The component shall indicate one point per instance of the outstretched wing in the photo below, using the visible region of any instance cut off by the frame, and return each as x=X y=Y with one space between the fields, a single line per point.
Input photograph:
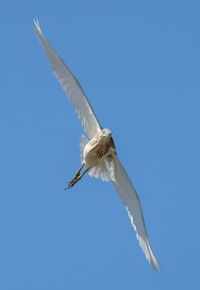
x=71 y=86
x=130 y=199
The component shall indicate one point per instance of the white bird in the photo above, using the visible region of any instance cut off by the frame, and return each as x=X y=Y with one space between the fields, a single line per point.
x=100 y=149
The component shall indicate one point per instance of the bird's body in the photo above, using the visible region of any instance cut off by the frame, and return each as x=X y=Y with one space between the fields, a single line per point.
x=98 y=155
x=98 y=148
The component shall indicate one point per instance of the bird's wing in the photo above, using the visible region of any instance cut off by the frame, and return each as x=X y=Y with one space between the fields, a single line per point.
x=130 y=199
x=71 y=86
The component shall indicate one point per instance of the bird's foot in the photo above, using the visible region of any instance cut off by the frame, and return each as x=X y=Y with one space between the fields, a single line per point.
x=75 y=178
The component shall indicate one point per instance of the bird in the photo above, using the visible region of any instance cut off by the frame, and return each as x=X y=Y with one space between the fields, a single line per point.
x=98 y=153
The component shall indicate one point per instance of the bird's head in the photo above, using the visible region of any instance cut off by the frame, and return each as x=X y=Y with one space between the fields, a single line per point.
x=106 y=133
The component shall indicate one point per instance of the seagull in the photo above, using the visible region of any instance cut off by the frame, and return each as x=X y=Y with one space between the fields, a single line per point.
x=98 y=154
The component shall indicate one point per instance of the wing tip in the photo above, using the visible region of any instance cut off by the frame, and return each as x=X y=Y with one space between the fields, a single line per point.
x=152 y=259
x=154 y=264
x=36 y=26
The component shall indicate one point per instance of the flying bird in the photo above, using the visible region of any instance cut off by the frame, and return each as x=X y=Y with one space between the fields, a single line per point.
x=98 y=154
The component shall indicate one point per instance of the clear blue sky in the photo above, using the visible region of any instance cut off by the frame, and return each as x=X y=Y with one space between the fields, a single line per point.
x=139 y=64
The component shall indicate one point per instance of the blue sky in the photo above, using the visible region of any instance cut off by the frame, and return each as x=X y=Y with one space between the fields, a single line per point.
x=139 y=64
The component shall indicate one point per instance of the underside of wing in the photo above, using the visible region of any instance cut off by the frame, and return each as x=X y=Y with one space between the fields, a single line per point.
x=130 y=199
x=71 y=86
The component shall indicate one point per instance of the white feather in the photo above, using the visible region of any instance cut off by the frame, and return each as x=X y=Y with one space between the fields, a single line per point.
x=130 y=199
x=82 y=144
x=71 y=86
x=100 y=171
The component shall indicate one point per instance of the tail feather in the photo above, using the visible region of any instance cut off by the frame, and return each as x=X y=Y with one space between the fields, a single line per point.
x=100 y=171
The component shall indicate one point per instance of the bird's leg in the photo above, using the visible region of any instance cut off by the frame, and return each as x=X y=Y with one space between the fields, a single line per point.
x=77 y=174
x=76 y=179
